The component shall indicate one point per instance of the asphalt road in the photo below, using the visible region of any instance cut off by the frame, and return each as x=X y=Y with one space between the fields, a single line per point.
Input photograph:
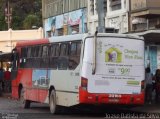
x=11 y=109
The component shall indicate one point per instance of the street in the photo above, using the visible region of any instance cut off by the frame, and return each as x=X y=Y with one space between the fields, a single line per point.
x=11 y=109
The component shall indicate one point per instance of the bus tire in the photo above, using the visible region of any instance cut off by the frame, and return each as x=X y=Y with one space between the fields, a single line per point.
x=52 y=102
x=25 y=103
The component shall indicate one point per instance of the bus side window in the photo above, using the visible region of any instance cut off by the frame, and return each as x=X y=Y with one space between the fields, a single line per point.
x=23 y=57
x=45 y=59
x=37 y=57
x=54 y=49
x=57 y=50
x=15 y=58
x=40 y=52
x=34 y=56
x=74 y=57
x=79 y=49
x=63 y=58
x=45 y=51
x=29 y=58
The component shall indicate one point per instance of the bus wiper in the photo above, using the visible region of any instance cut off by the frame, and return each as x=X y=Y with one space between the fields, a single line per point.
x=94 y=53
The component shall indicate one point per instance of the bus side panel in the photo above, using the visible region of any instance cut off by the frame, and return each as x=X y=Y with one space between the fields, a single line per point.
x=15 y=92
x=37 y=95
x=15 y=84
x=32 y=92
x=43 y=96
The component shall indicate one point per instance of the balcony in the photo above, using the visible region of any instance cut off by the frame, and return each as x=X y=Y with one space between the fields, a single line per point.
x=145 y=8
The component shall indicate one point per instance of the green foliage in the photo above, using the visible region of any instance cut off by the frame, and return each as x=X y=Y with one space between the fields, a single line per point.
x=23 y=12
x=3 y=25
x=30 y=20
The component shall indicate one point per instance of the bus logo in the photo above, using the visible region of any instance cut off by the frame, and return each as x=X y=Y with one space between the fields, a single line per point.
x=113 y=55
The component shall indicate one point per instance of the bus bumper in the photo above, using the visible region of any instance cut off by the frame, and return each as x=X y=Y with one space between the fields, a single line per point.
x=124 y=99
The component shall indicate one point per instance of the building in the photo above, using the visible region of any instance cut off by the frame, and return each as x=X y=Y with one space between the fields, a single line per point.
x=9 y=38
x=145 y=15
x=116 y=12
x=145 y=21
x=141 y=17
x=63 y=17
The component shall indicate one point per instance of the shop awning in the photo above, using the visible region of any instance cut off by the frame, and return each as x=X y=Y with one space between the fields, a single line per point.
x=150 y=36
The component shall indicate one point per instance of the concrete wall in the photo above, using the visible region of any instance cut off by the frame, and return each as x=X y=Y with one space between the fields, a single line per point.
x=153 y=3
x=138 y=4
x=9 y=38
x=117 y=18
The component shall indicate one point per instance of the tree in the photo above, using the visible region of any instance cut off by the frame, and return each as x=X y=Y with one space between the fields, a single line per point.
x=30 y=21
x=3 y=25
x=22 y=11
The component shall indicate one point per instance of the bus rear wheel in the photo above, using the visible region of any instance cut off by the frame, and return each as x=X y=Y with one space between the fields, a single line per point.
x=52 y=103
x=25 y=103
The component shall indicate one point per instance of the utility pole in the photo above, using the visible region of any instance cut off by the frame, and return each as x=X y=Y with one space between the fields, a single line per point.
x=129 y=16
x=101 y=7
x=8 y=14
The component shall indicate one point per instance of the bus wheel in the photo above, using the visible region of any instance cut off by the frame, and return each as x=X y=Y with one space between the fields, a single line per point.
x=25 y=103
x=52 y=102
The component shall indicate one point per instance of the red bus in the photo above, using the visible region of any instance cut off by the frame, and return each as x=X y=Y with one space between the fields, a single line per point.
x=79 y=69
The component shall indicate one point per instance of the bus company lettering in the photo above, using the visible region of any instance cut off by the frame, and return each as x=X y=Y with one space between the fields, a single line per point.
x=132 y=54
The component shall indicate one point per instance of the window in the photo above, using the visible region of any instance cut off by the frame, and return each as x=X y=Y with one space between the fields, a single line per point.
x=60 y=32
x=64 y=55
x=40 y=51
x=56 y=7
x=64 y=50
x=53 y=50
x=78 y=48
x=24 y=52
x=36 y=60
x=45 y=51
x=63 y=58
x=75 y=29
x=54 y=54
x=57 y=50
x=23 y=57
x=74 y=56
x=28 y=52
x=73 y=49
x=44 y=59
x=36 y=51
x=115 y=5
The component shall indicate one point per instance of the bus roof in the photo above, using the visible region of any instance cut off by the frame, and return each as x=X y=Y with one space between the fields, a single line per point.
x=82 y=36
x=73 y=38
x=67 y=38
x=130 y=36
x=32 y=42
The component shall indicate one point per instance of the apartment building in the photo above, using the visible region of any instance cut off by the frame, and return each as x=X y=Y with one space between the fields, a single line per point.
x=145 y=21
x=145 y=15
x=116 y=15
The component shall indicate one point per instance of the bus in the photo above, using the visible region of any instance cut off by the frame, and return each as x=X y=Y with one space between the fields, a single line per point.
x=79 y=69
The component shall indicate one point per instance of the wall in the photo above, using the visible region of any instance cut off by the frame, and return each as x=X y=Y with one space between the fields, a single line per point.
x=138 y=4
x=114 y=18
x=9 y=38
x=66 y=24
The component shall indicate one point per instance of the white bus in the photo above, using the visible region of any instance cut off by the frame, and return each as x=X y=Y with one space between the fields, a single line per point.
x=80 y=69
